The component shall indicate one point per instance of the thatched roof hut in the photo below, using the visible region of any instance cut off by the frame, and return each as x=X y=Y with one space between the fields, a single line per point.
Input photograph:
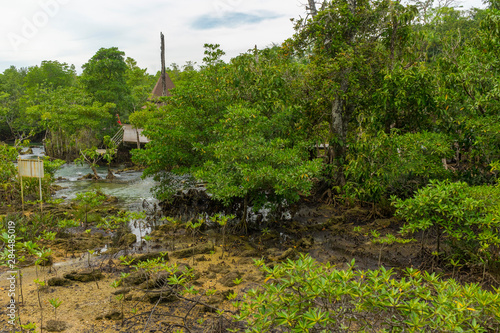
x=158 y=89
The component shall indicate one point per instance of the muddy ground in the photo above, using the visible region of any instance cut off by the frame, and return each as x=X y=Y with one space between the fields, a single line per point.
x=91 y=304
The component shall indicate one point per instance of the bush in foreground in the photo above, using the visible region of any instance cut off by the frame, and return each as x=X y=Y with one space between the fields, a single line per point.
x=305 y=296
x=466 y=217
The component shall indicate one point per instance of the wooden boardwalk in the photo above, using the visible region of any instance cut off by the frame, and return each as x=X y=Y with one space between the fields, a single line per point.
x=130 y=134
x=127 y=134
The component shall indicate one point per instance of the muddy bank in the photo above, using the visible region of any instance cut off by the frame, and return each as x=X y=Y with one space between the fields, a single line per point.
x=84 y=280
x=125 y=285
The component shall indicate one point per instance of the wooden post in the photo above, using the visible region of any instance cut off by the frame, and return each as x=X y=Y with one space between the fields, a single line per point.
x=32 y=169
x=138 y=140
x=40 y=174
x=163 y=79
x=21 y=181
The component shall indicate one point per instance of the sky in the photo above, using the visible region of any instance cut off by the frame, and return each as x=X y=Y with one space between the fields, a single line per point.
x=72 y=31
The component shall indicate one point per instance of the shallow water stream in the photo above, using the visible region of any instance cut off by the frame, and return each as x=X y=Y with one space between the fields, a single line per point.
x=130 y=189
x=128 y=186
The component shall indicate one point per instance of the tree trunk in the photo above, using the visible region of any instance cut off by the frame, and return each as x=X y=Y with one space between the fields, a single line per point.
x=138 y=140
x=337 y=148
x=163 y=77
x=110 y=174
x=312 y=8
x=438 y=238
x=58 y=144
x=341 y=114
x=245 y=213
x=96 y=176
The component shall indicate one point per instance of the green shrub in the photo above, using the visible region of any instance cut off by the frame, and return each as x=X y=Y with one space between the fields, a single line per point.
x=8 y=170
x=467 y=215
x=9 y=182
x=305 y=296
x=9 y=189
x=88 y=201
x=380 y=165
x=51 y=166
x=481 y=138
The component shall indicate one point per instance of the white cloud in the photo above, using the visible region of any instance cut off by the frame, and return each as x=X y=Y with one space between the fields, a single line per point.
x=74 y=29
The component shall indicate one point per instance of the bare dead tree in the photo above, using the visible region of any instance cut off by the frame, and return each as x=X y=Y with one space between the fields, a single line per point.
x=312 y=8
x=163 y=78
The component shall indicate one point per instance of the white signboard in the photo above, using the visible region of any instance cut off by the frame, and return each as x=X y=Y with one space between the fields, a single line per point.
x=30 y=168
x=33 y=169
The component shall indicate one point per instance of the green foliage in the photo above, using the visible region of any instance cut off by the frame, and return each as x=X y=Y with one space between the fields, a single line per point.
x=246 y=163
x=481 y=141
x=174 y=224
x=55 y=302
x=375 y=80
x=384 y=165
x=28 y=326
x=139 y=82
x=495 y=166
x=88 y=201
x=50 y=166
x=466 y=69
x=90 y=156
x=305 y=296
x=69 y=110
x=113 y=222
x=48 y=235
x=8 y=170
x=11 y=109
x=177 y=277
x=9 y=182
x=186 y=120
x=467 y=215
x=30 y=231
x=109 y=153
x=405 y=100
x=388 y=239
x=194 y=226
x=222 y=220
x=104 y=77
x=70 y=117
x=65 y=223
x=442 y=25
x=470 y=68
x=40 y=283
x=50 y=74
x=42 y=255
x=110 y=149
x=4 y=112
x=74 y=110
x=234 y=127
x=345 y=64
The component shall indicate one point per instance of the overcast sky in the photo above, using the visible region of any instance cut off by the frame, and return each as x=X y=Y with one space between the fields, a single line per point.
x=72 y=31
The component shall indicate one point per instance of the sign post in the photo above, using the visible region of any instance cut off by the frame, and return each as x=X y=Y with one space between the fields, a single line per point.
x=22 y=187
x=32 y=169
x=40 y=173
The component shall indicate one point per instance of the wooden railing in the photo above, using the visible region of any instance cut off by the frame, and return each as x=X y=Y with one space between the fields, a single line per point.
x=118 y=137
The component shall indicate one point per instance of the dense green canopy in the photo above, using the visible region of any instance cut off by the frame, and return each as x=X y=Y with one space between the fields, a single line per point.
x=367 y=99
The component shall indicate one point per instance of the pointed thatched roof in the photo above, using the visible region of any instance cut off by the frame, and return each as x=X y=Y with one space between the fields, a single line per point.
x=157 y=91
